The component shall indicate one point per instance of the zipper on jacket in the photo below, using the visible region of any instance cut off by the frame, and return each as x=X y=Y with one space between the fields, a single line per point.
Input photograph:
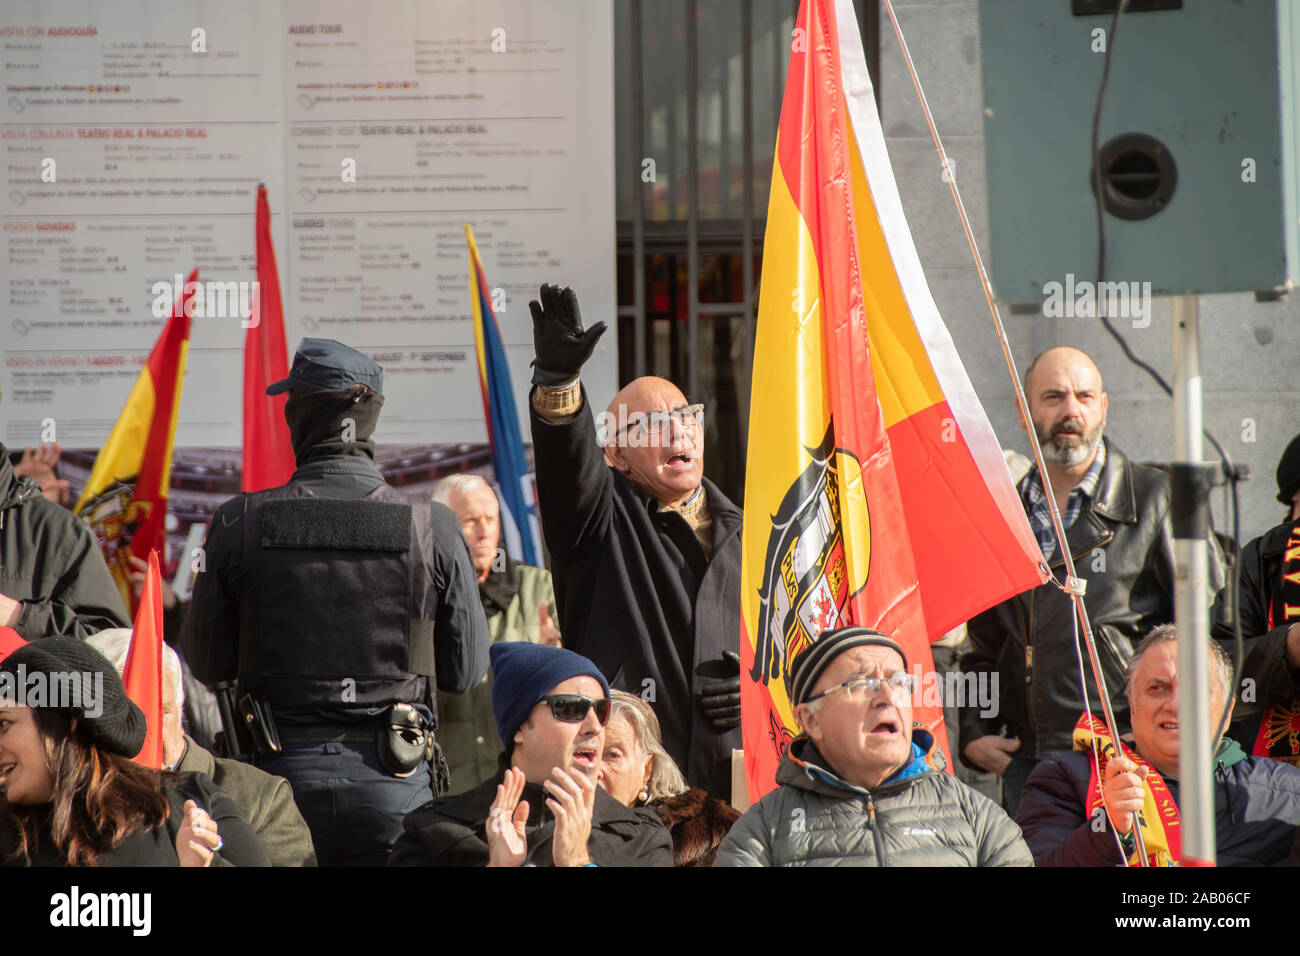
x=875 y=831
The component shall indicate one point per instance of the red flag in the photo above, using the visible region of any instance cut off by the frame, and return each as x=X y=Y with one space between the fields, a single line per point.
x=268 y=453
x=142 y=675
x=10 y=641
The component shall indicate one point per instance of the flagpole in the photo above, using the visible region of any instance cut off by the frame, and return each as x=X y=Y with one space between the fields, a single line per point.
x=1073 y=585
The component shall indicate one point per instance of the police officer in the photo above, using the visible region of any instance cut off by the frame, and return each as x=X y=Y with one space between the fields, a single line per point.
x=335 y=601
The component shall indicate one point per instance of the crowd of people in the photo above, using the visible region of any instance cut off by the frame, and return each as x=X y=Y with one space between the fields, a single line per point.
x=364 y=678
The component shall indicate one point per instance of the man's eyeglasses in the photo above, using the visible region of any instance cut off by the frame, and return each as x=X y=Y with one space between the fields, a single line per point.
x=572 y=708
x=861 y=688
x=657 y=422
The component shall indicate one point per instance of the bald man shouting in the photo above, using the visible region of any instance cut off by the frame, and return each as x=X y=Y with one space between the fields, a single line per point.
x=645 y=551
x=1116 y=516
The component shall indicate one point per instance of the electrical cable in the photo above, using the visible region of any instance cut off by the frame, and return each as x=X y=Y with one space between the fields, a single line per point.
x=1229 y=468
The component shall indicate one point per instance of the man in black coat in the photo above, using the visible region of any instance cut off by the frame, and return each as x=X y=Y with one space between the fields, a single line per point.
x=53 y=577
x=645 y=551
x=543 y=808
x=1116 y=517
x=1268 y=699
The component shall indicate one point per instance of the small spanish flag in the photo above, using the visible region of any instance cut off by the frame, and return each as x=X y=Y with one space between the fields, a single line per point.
x=875 y=490
x=125 y=499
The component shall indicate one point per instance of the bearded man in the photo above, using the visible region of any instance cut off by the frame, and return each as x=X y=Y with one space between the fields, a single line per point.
x=1116 y=516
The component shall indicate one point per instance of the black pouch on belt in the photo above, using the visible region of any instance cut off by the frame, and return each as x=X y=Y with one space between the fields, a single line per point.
x=402 y=739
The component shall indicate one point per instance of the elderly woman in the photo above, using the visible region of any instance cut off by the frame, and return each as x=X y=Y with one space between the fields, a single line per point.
x=72 y=794
x=636 y=771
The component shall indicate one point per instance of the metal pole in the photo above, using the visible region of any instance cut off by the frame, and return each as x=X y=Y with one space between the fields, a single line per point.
x=1073 y=585
x=692 y=202
x=638 y=207
x=1189 y=516
x=747 y=213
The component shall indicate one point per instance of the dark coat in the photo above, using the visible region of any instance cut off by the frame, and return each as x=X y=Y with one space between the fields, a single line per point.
x=1256 y=810
x=265 y=799
x=1122 y=546
x=51 y=562
x=158 y=847
x=452 y=831
x=1264 y=649
x=636 y=594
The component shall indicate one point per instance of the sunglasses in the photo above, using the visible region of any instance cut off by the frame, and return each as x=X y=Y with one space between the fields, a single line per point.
x=572 y=708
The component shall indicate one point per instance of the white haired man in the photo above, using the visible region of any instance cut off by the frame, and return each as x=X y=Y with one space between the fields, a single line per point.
x=265 y=799
x=518 y=600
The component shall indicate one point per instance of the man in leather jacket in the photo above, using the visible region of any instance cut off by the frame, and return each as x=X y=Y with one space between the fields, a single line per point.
x=1116 y=515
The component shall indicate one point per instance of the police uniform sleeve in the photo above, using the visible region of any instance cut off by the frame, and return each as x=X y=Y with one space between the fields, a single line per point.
x=210 y=634
x=460 y=631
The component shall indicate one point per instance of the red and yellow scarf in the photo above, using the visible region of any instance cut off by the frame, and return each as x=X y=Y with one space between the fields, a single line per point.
x=1160 y=822
x=1279 y=732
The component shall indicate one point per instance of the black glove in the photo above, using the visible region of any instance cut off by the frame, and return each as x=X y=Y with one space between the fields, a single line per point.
x=560 y=344
x=720 y=699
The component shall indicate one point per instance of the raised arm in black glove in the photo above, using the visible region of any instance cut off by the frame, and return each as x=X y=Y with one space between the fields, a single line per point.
x=720 y=699
x=559 y=342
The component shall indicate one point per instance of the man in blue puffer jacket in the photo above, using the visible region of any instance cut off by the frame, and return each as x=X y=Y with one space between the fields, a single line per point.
x=1256 y=800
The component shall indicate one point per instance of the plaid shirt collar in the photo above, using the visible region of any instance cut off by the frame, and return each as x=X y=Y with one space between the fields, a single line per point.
x=1037 y=508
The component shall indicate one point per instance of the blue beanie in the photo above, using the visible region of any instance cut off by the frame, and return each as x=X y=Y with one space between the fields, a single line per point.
x=524 y=673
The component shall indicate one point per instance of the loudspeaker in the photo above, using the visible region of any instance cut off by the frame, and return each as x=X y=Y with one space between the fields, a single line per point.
x=1198 y=144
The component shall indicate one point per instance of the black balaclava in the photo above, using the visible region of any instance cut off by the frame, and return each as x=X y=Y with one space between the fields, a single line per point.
x=319 y=423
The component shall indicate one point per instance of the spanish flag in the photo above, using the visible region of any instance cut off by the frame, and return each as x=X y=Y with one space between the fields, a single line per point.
x=499 y=411
x=875 y=491
x=125 y=499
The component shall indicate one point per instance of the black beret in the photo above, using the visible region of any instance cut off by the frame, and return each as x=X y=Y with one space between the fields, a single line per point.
x=86 y=686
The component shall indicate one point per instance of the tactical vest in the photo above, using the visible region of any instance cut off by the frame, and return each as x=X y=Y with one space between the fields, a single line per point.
x=341 y=606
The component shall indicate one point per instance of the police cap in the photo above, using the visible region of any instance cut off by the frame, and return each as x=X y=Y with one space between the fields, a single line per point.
x=325 y=365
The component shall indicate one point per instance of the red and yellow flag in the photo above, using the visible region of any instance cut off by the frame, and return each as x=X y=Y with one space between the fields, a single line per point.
x=142 y=674
x=875 y=490
x=125 y=499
